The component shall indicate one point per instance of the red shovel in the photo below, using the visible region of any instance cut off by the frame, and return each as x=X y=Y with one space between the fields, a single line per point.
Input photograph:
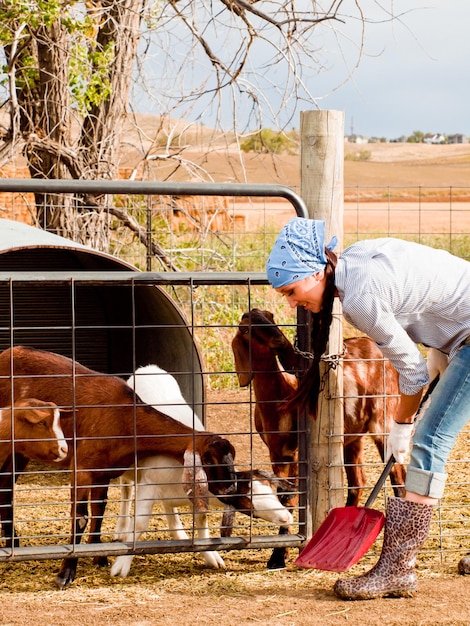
x=346 y=534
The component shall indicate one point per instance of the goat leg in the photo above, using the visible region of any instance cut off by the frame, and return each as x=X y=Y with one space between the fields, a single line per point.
x=353 y=454
x=397 y=473
x=68 y=568
x=228 y=520
x=277 y=560
x=99 y=495
x=7 y=482
x=286 y=469
x=278 y=557
x=397 y=478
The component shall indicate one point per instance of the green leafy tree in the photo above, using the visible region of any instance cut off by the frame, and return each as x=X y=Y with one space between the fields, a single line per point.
x=68 y=67
x=416 y=137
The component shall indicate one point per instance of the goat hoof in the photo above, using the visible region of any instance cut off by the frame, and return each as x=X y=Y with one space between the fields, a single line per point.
x=66 y=574
x=101 y=561
x=63 y=581
x=464 y=566
x=277 y=559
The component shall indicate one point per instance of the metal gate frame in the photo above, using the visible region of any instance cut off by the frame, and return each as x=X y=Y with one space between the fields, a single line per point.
x=16 y=554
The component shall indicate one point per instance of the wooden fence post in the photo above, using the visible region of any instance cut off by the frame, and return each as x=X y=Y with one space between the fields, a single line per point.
x=322 y=189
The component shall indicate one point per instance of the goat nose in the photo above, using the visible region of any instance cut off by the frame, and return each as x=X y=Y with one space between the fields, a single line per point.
x=63 y=450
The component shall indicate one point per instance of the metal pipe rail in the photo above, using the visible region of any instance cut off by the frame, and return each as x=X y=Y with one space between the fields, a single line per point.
x=138 y=278
x=117 y=548
x=25 y=185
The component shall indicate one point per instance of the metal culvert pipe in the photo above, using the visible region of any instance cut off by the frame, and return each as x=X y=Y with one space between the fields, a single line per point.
x=112 y=328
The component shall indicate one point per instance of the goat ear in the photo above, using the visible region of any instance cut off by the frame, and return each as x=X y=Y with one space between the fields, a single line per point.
x=33 y=416
x=267 y=475
x=195 y=483
x=277 y=481
x=64 y=413
x=284 y=484
x=269 y=316
x=242 y=360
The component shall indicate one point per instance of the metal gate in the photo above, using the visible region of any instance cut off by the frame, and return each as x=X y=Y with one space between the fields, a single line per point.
x=59 y=296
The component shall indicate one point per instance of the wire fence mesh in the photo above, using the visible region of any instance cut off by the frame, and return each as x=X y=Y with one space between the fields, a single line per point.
x=212 y=235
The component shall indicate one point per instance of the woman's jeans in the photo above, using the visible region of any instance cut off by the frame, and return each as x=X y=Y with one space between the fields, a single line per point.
x=443 y=416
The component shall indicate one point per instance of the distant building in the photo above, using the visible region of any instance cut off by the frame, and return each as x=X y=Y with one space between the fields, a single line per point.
x=458 y=138
x=356 y=139
x=436 y=139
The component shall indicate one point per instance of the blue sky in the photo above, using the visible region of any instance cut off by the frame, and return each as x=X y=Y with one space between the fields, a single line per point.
x=414 y=76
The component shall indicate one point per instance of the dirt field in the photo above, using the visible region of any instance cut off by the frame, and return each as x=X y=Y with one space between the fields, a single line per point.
x=381 y=193
x=178 y=589
x=243 y=596
x=389 y=164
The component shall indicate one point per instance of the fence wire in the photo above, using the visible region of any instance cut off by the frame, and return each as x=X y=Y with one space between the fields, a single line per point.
x=223 y=240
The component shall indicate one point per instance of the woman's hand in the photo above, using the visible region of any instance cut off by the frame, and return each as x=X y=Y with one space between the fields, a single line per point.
x=399 y=441
x=401 y=431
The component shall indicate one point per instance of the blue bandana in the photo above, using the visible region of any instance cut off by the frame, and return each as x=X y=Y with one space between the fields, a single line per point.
x=299 y=252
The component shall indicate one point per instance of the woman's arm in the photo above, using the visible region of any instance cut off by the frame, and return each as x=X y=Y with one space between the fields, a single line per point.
x=408 y=407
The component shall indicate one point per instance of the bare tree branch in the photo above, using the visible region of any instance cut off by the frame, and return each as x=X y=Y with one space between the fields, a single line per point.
x=234 y=64
x=142 y=236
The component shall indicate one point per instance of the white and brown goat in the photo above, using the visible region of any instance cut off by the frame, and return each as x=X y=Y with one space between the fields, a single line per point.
x=110 y=429
x=159 y=479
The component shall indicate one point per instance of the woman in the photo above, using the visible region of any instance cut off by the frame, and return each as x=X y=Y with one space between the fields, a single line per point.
x=400 y=294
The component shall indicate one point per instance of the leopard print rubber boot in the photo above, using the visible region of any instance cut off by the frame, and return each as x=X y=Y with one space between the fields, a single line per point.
x=464 y=565
x=406 y=529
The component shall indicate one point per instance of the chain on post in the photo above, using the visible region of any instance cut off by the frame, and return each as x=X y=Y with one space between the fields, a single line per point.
x=333 y=360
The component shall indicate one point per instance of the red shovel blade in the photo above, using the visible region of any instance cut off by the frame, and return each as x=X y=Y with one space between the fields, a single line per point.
x=342 y=539
x=346 y=533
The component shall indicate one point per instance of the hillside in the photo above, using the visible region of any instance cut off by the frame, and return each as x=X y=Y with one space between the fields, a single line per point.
x=402 y=165
x=394 y=165
x=200 y=153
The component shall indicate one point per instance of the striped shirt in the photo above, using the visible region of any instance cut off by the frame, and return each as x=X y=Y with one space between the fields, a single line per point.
x=402 y=294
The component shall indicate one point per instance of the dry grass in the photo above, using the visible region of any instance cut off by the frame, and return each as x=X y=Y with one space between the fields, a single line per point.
x=170 y=589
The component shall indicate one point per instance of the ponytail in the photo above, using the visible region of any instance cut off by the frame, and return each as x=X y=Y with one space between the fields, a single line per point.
x=306 y=396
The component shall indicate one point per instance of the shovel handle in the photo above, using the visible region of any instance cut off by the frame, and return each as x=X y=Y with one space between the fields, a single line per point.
x=382 y=478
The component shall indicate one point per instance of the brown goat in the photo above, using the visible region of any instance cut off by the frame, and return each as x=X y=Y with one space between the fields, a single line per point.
x=32 y=428
x=110 y=428
x=257 y=346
